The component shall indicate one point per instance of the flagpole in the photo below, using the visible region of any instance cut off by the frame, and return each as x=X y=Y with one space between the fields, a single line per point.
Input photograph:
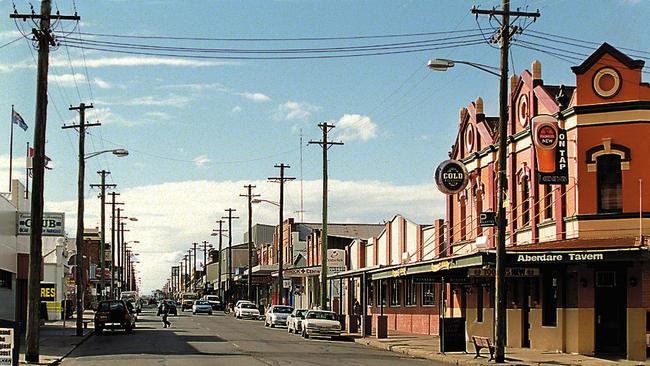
x=11 y=146
x=27 y=174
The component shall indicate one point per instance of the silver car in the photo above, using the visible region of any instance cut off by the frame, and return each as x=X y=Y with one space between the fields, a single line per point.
x=277 y=315
x=294 y=321
x=319 y=323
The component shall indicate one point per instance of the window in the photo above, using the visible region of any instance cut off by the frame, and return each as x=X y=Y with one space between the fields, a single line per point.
x=525 y=202
x=610 y=184
x=549 y=299
x=384 y=292
x=371 y=294
x=428 y=294
x=548 y=202
x=463 y=219
x=411 y=299
x=479 y=304
x=5 y=279
x=395 y=292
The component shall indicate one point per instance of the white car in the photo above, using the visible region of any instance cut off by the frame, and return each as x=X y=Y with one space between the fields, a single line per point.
x=246 y=310
x=294 y=321
x=319 y=323
x=201 y=306
x=238 y=306
x=277 y=315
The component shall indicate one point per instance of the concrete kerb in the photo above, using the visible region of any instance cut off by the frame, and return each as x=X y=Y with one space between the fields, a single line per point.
x=83 y=339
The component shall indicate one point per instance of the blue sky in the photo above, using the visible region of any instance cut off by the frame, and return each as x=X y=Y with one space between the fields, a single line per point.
x=199 y=129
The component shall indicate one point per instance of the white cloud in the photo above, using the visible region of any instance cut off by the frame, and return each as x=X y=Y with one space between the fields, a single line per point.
x=168 y=221
x=197 y=87
x=157 y=115
x=67 y=80
x=9 y=35
x=255 y=97
x=236 y=109
x=353 y=127
x=101 y=83
x=178 y=101
x=130 y=61
x=294 y=110
x=201 y=160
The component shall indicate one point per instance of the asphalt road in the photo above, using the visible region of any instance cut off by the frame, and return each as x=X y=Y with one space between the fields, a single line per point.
x=222 y=340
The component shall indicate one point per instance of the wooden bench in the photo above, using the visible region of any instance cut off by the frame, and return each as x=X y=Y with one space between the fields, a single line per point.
x=483 y=342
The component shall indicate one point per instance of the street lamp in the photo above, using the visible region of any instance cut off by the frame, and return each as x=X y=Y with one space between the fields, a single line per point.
x=260 y=200
x=80 y=226
x=499 y=278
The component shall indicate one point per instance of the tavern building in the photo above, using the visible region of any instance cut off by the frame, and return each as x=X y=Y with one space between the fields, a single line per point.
x=578 y=278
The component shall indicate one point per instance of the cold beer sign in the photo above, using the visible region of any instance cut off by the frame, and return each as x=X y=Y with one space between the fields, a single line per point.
x=451 y=176
x=551 y=150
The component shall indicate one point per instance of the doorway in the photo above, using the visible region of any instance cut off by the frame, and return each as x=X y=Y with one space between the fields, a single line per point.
x=610 y=310
x=525 y=313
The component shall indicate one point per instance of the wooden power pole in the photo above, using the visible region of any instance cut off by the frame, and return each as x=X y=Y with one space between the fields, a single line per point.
x=325 y=145
x=281 y=179
x=45 y=39
x=230 y=217
x=219 y=232
x=250 y=195
x=102 y=255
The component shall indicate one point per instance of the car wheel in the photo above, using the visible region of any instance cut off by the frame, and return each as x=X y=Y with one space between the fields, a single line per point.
x=128 y=330
x=210 y=313
x=98 y=331
x=305 y=335
x=272 y=325
x=289 y=329
x=194 y=313
x=266 y=324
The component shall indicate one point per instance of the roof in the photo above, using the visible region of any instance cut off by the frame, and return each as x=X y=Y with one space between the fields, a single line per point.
x=362 y=231
x=569 y=244
x=552 y=90
x=606 y=48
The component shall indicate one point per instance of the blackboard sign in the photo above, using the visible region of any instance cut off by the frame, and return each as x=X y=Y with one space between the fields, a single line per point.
x=9 y=342
x=452 y=335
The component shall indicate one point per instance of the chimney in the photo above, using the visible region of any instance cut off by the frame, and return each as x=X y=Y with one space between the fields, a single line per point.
x=514 y=79
x=479 y=105
x=537 y=73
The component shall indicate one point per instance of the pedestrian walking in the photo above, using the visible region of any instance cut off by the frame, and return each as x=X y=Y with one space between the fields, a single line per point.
x=165 y=314
x=356 y=308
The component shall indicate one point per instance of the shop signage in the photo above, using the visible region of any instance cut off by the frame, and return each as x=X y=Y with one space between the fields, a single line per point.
x=398 y=272
x=487 y=219
x=48 y=292
x=302 y=272
x=286 y=283
x=451 y=176
x=435 y=267
x=423 y=279
x=510 y=272
x=7 y=346
x=335 y=261
x=53 y=223
x=560 y=257
x=452 y=332
x=551 y=149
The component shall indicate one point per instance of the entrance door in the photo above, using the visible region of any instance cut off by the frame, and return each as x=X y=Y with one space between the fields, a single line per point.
x=525 y=313
x=610 y=306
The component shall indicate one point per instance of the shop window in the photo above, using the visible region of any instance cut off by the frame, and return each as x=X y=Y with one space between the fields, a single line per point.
x=411 y=299
x=549 y=299
x=371 y=294
x=384 y=292
x=395 y=287
x=525 y=202
x=5 y=279
x=428 y=294
x=610 y=184
x=479 y=304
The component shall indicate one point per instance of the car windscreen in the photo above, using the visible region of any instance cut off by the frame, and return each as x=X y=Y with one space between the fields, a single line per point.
x=248 y=306
x=282 y=309
x=110 y=305
x=321 y=315
x=300 y=313
x=202 y=303
x=213 y=298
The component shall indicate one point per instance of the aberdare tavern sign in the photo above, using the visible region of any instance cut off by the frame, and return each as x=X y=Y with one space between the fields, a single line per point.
x=560 y=257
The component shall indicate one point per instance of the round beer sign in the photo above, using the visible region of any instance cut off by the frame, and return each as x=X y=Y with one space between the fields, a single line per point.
x=547 y=136
x=451 y=176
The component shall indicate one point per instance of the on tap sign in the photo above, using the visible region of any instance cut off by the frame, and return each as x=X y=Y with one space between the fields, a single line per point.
x=53 y=223
x=551 y=150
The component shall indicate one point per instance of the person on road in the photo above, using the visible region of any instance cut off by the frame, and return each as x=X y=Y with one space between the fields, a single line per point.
x=165 y=314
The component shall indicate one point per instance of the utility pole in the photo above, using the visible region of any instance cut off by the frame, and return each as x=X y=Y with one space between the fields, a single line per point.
x=190 y=286
x=102 y=255
x=194 y=272
x=80 y=205
x=45 y=39
x=219 y=232
x=123 y=256
x=230 y=217
x=281 y=179
x=325 y=145
x=250 y=196
x=181 y=277
x=205 y=263
x=113 y=203
x=504 y=33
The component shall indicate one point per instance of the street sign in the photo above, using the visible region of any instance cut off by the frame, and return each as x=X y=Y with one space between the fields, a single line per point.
x=53 y=223
x=286 y=283
x=487 y=219
x=335 y=261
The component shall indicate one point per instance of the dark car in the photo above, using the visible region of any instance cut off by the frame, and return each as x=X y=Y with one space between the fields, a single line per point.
x=114 y=314
x=171 y=305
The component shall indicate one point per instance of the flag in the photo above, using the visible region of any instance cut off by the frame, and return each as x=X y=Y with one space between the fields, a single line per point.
x=18 y=120
x=30 y=155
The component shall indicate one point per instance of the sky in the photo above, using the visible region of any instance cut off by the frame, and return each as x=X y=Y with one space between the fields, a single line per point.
x=200 y=128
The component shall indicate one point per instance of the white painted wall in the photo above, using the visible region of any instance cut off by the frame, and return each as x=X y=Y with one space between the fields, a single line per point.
x=354 y=257
x=411 y=240
x=382 y=255
x=395 y=248
x=428 y=243
x=370 y=258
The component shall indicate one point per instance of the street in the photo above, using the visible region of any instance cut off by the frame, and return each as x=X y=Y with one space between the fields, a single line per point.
x=223 y=340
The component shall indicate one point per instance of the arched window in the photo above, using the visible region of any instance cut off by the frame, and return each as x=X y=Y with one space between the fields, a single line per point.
x=610 y=183
x=525 y=201
x=463 y=218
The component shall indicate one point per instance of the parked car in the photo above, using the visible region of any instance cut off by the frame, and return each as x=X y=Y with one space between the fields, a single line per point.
x=277 y=315
x=247 y=310
x=320 y=323
x=114 y=314
x=294 y=321
x=201 y=306
x=187 y=300
x=171 y=305
x=214 y=301
x=238 y=305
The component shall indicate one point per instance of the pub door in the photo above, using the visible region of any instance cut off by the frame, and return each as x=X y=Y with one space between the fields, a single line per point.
x=610 y=308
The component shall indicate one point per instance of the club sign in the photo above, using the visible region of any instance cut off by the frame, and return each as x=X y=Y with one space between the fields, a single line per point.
x=551 y=149
x=451 y=176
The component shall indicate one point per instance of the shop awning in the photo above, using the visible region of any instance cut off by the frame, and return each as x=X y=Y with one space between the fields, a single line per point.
x=572 y=255
x=353 y=272
x=431 y=266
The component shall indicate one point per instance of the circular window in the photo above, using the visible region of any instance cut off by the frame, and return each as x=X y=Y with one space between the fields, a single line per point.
x=607 y=82
x=469 y=138
x=522 y=110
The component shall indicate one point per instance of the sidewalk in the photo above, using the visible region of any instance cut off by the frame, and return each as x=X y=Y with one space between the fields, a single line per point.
x=57 y=340
x=428 y=347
